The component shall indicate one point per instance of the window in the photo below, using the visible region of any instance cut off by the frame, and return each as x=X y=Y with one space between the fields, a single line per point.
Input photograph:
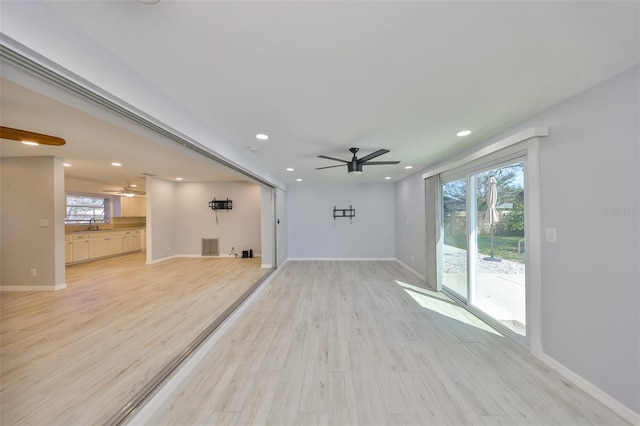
x=82 y=208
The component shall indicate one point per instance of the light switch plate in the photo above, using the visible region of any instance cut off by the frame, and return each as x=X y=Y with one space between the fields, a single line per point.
x=44 y=223
x=551 y=235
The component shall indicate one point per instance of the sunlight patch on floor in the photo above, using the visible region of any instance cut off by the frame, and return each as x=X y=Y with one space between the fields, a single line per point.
x=441 y=304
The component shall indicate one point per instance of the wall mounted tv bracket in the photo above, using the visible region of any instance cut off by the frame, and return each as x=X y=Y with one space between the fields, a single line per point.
x=221 y=204
x=350 y=213
x=216 y=205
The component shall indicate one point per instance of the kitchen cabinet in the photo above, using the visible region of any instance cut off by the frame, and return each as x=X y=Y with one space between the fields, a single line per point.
x=83 y=246
x=128 y=242
x=137 y=239
x=132 y=240
x=133 y=206
x=114 y=244
x=68 y=249
x=80 y=247
x=97 y=247
x=103 y=244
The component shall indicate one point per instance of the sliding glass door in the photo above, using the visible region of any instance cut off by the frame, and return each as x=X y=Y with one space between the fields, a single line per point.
x=483 y=260
x=454 y=253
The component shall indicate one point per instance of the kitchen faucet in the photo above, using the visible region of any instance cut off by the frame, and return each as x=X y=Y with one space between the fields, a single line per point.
x=92 y=227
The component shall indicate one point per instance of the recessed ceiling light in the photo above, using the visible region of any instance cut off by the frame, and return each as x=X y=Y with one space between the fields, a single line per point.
x=262 y=136
x=66 y=164
x=30 y=143
x=253 y=148
x=388 y=177
x=178 y=178
x=133 y=185
x=116 y=164
x=298 y=180
x=289 y=169
x=463 y=133
x=408 y=167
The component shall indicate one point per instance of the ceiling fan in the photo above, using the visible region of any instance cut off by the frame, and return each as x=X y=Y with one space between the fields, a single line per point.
x=127 y=191
x=27 y=137
x=354 y=167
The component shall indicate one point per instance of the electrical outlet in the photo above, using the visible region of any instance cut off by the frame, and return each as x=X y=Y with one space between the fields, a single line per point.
x=34 y=272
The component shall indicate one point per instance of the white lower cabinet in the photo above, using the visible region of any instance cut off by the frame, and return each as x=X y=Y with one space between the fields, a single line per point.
x=99 y=244
x=97 y=247
x=128 y=243
x=79 y=247
x=68 y=249
x=114 y=245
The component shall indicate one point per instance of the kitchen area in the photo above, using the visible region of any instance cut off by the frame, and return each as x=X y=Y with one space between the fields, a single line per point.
x=124 y=234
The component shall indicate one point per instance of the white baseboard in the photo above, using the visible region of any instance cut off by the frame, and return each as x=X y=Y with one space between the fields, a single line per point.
x=345 y=259
x=597 y=393
x=162 y=259
x=178 y=256
x=33 y=287
x=266 y=266
x=413 y=271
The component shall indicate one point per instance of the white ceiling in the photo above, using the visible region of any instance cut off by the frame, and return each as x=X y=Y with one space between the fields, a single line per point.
x=321 y=77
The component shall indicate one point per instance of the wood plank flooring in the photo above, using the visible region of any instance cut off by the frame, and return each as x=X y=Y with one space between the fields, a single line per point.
x=75 y=356
x=338 y=343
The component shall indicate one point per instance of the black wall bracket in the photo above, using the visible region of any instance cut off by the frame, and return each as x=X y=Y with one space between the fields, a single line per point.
x=221 y=204
x=350 y=213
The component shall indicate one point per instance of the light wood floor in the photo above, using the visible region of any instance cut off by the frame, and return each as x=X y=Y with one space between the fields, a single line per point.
x=75 y=356
x=339 y=343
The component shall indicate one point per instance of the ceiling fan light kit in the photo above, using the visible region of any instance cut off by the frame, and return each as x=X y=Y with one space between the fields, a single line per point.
x=354 y=167
x=126 y=191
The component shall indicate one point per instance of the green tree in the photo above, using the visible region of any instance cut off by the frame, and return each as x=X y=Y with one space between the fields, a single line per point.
x=514 y=221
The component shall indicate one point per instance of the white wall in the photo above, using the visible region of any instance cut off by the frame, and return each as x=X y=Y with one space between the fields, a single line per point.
x=32 y=191
x=162 y=199
x=313 y=232
x=238 y=227
x=267 y=230
x=590 y=192
x=591 y=278
x=410 y=223
x=282 y=235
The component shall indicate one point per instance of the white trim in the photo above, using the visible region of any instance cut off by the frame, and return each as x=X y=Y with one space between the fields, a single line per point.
x=346 y=259
x=143 y=416
x=266 y=266
x=490 y=149
x=33 y=287
x=533 y=248
x=179 y=256
x=162 y=259
x=513 y=148
x=413 y=271
x=591 y=389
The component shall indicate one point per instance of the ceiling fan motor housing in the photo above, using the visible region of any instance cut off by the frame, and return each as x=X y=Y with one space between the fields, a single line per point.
x=354 y=167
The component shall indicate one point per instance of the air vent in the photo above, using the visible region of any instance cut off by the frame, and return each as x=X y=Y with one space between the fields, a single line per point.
x=210 y=247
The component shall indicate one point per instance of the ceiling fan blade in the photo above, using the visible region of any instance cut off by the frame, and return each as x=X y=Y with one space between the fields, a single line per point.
x=373 y=163
x=372 y=155
x=112 y=190
x=334 y=159
x=24 y=135
x=329 y=167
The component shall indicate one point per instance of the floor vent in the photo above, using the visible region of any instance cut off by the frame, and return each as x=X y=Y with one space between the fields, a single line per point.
x=210 y=247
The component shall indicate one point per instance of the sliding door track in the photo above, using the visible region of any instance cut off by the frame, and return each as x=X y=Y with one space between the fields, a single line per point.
x=145 y=394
